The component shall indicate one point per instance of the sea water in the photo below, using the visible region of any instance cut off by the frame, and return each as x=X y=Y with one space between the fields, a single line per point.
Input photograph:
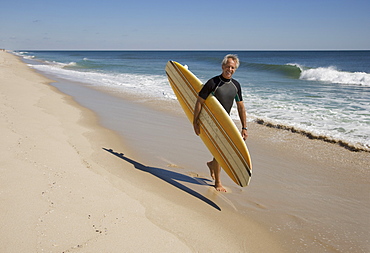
x=324 y=94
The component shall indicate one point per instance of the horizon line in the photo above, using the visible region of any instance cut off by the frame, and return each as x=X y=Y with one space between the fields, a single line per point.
x=187 y=50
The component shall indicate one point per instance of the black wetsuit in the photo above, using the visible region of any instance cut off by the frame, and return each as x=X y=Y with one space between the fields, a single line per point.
x=225 y=90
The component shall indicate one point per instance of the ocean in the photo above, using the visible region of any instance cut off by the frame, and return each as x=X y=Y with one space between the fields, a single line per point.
x=323 y=94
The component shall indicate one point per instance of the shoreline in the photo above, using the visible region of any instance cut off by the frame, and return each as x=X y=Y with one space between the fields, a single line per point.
x=169 y=190
x=163 y=106
x=347 y=145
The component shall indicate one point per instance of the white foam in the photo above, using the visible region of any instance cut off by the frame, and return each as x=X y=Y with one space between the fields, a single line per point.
x=332 y=75
x=150 y=85
x=352 y=126
x=296 y=65
x=24 y=55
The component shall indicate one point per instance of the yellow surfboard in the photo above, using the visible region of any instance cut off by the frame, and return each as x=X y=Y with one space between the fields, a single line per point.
x=218 y=131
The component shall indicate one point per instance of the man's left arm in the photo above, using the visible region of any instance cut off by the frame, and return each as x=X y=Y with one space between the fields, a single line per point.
x=243 y=118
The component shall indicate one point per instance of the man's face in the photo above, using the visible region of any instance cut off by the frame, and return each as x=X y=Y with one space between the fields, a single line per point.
x=229 y=68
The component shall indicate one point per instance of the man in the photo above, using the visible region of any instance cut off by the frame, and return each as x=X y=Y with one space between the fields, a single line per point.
x=226 y=90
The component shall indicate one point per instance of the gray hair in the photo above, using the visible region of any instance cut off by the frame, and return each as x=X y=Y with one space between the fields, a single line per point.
x=232 y=56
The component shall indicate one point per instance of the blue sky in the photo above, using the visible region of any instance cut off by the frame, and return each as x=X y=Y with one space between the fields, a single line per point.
x=188 y=25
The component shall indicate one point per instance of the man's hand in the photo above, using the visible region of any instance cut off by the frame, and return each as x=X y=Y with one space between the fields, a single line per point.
x=196 y=126
x=244 y=134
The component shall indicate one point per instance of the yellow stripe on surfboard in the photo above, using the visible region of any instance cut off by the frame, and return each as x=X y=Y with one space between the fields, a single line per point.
x=218 y=131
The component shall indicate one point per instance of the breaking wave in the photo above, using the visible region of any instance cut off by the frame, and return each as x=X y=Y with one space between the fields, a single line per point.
x=321 y=74
x=332 y=75
x=290 y=70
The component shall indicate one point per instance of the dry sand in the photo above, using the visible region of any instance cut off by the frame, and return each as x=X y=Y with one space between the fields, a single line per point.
x=70 y=185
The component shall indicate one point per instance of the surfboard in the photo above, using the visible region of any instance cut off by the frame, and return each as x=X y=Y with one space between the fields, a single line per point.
x=217 y=130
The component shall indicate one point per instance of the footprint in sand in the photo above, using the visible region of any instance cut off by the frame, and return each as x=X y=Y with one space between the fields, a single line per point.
x=171 y=165
x=192 y=174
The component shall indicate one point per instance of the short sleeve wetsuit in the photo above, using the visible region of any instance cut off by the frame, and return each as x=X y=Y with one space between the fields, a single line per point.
x=225 y=90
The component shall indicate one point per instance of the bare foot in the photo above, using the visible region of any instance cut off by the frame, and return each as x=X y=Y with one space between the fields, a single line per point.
x=215 y=174
x=211 y=170
x=220 y=188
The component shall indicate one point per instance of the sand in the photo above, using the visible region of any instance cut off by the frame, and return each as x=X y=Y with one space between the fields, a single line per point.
x=56 y=190
x=74 y=180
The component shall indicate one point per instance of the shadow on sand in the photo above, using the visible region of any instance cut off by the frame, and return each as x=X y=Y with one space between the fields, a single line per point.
x=170 y=177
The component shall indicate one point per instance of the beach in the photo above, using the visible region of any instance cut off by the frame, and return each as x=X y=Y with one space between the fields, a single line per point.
x=74 y=180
